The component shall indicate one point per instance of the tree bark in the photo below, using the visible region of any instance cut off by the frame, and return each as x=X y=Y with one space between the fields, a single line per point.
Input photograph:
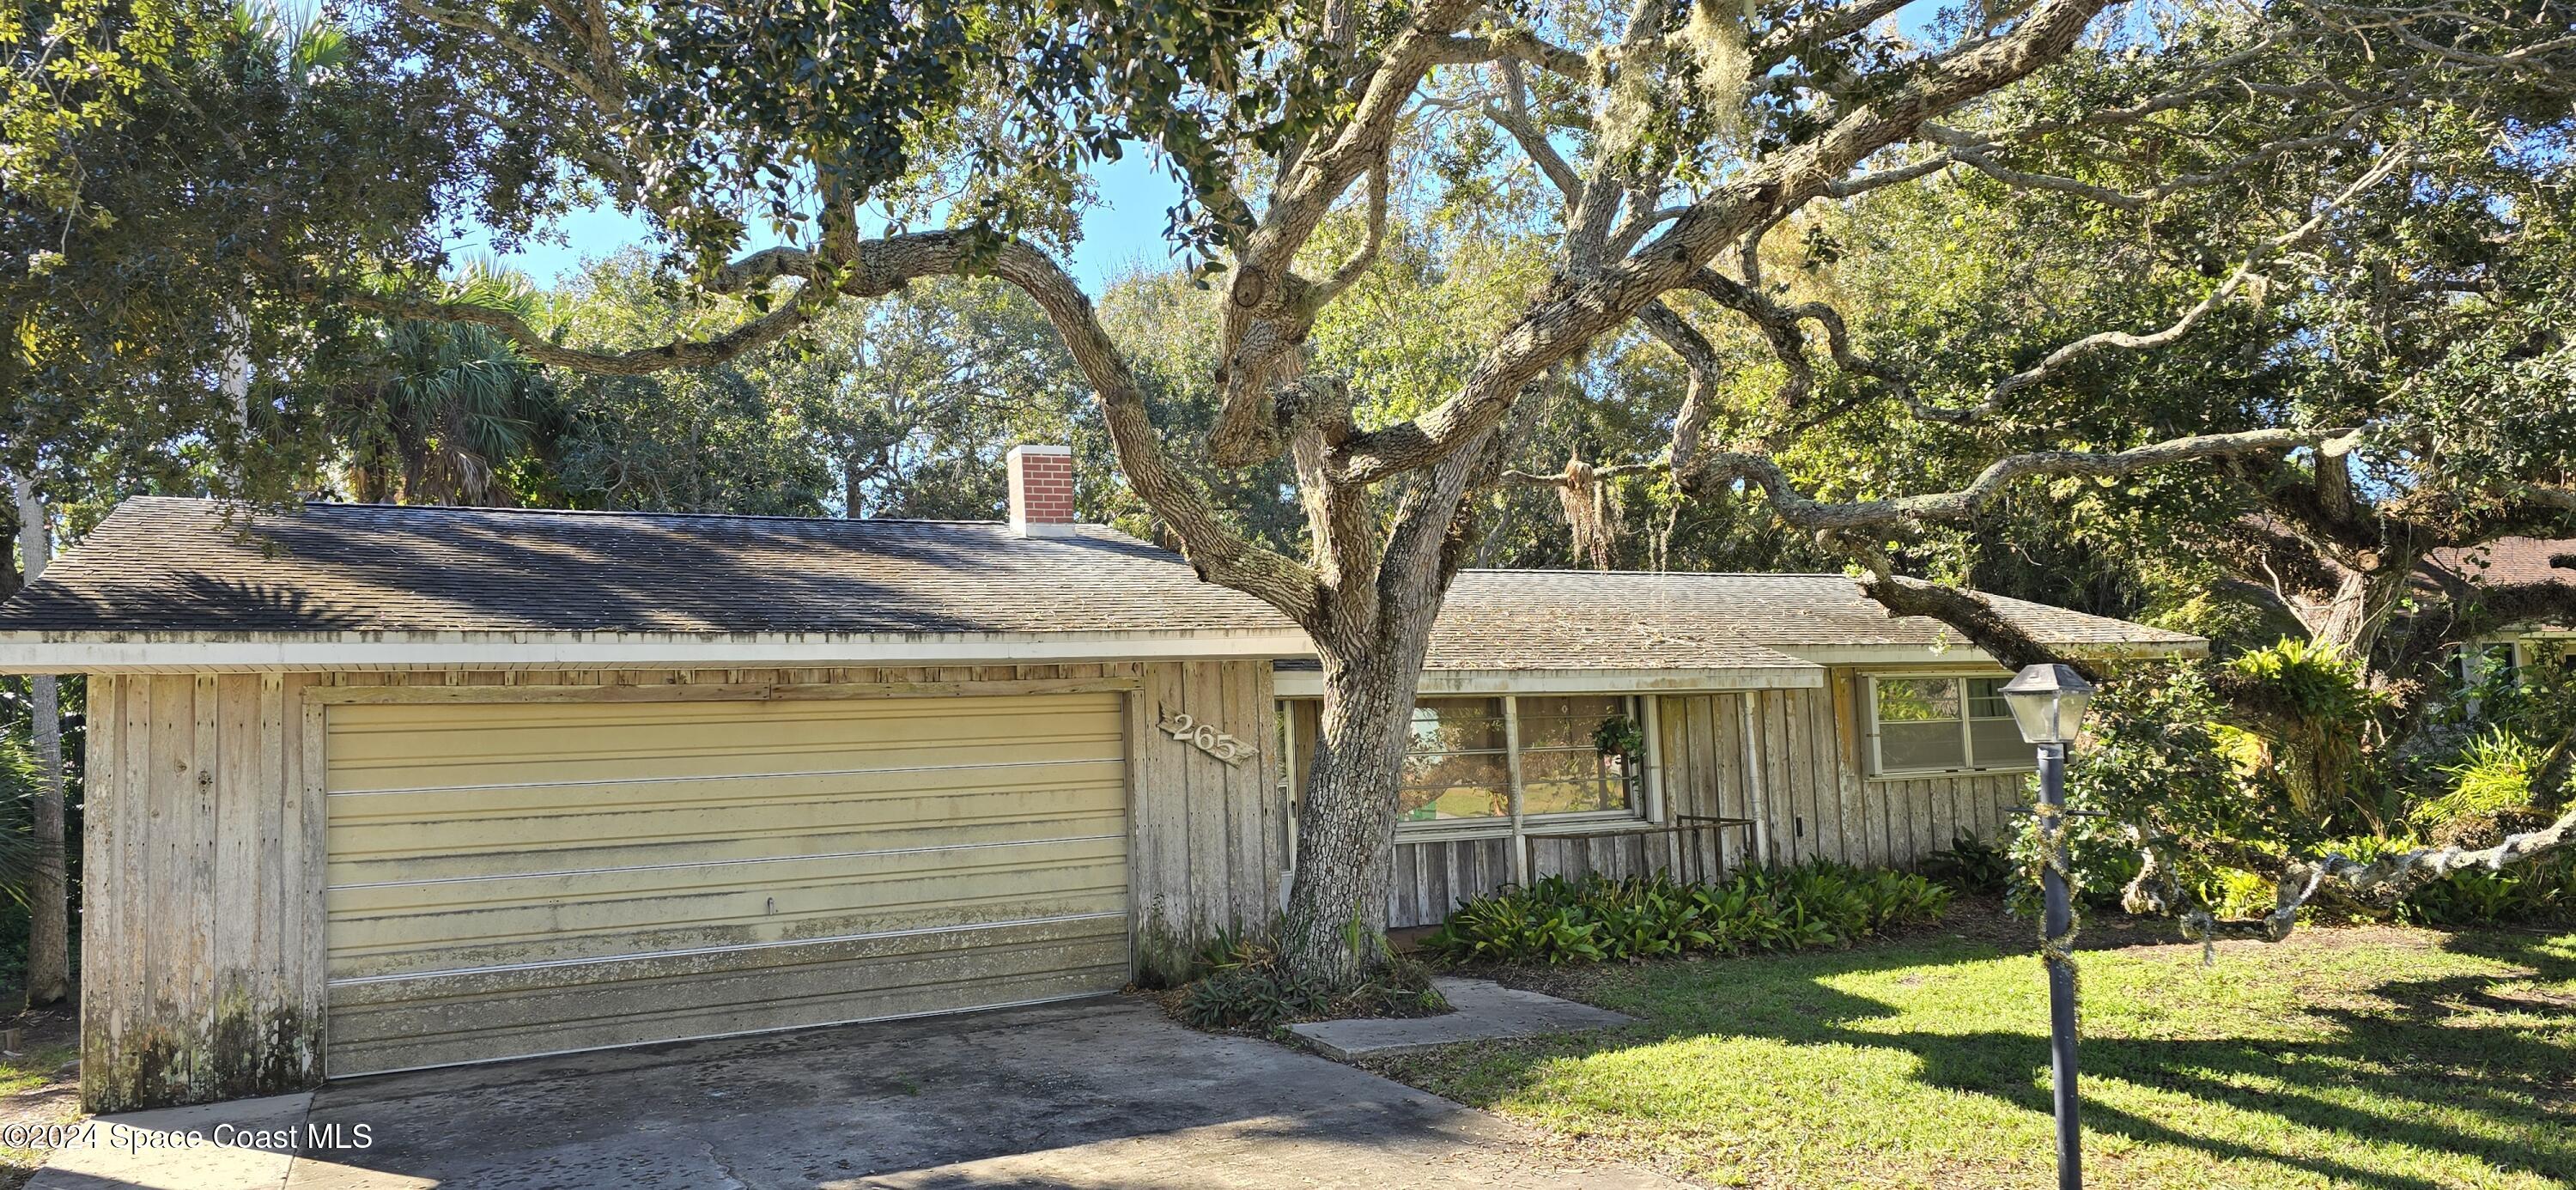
x=1346 y=824
x=48 y=892
x=2352 y=618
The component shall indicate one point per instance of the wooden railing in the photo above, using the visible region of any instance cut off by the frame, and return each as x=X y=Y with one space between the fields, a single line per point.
x=1695 y=864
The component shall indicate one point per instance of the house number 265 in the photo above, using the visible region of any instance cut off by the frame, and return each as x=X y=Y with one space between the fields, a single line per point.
x=1206 y=738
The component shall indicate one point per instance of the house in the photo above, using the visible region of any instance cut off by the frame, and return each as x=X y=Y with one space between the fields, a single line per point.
x=2510 y=562
x=376 y=788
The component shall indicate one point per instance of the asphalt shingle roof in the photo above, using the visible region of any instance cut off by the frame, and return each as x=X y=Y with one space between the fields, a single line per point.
x=180 y=565
x=1628 y=619
x=2512 y=561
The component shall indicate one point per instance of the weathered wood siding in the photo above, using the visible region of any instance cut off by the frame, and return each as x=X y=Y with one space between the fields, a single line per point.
x=1798 y=769
x=1705 y=765
x=204 y=930
x=201 y=930
x=1433 y=875
x=1211 y=839
x=1807 y=776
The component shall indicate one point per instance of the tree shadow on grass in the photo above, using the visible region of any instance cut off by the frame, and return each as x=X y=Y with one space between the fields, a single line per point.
x=2405 y=1042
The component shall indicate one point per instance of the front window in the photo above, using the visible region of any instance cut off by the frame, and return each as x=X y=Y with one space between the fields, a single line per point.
x=1579 y=754
x=1457 y=763
x=1575 y=754
x=1943 y=724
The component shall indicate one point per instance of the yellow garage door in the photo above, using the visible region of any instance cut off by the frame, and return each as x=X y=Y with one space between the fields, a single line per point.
x=530 y=878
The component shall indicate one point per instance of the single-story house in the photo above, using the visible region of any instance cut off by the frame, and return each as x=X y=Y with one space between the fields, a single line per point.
x=376 y=788
x=2511 y=562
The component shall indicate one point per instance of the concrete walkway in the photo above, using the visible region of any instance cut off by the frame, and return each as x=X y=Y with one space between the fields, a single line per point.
x=1487 y=1011
x=1098 y=1093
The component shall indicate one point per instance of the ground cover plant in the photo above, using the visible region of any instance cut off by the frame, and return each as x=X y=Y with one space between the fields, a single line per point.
x=1597 y=919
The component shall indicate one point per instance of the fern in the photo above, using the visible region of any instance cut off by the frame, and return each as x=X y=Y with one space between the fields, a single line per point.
x=2494 y=776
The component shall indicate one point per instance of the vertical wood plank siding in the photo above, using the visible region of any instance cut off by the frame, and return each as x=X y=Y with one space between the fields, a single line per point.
x=1815 y=798
x=1211 y=839
x=204 y=928
x=195 y=985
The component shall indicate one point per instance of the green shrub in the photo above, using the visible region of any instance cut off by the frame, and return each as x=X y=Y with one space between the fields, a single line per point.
x=2234 y=893
x=2494 y=776
x=1970 y=864
x=2542 y=890
x=1255 y=997
x=1556 y=920
x=1167 y=958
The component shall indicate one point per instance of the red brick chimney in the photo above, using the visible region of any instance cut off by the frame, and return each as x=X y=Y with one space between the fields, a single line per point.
x=1042 y=490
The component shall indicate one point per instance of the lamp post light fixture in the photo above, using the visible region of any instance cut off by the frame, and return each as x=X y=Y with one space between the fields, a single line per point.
x=2047 y=703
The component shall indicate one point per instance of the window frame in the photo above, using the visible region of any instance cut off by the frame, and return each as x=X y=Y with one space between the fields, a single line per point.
x=1644 y=808
x=1510 y=752
x=2023 y=762
x=1632 y=705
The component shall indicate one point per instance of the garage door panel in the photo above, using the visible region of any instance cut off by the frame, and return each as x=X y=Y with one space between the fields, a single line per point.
x=746 y=892
x=807 y=792
x=587 y=1005
x=976 y=912
x=514 y=879
x=369 y=755
x=762 y=725
x=429 y=773
x=416 y=934
x=827 y=720
x=410 y=850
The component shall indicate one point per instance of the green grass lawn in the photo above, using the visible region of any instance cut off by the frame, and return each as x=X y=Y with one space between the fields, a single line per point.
x=2367 y=1057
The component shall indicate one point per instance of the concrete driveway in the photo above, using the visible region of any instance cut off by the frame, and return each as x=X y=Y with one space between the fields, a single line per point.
x=1095 y=1093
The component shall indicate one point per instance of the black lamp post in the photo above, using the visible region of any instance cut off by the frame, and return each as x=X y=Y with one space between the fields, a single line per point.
x=2047 y=703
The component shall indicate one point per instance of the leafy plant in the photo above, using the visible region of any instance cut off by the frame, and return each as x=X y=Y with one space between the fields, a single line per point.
x=1970 y=864
x=2311 y=704
x=1619 y=735
x=2495 y=775
x=2544 y=890
x=1167 y=958
x=1556 y=920
x=18 y=851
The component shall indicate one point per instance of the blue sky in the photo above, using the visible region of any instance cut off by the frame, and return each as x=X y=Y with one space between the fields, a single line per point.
x=1124 y=231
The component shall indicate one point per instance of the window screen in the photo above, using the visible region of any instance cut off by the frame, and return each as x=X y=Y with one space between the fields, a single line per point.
x=1944 y=724
x=1456 y=763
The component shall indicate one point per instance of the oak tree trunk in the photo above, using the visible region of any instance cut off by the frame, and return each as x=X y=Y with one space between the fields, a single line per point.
x=1336 y=922
x=2354 y=616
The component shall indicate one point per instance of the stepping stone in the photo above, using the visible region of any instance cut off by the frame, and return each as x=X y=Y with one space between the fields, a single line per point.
x=1486 y=1011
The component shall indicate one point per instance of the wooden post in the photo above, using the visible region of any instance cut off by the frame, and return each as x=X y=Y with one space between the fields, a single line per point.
x=1650 y=719
x=1754 y=800
x=1512 y=764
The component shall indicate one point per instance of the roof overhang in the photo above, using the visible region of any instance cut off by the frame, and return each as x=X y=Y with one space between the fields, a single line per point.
x=1310 y=683
x=230 y=652
x=1962 y=653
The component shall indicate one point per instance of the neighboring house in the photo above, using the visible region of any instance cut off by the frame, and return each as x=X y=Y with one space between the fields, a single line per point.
x=2511 y=562
x=372 y=788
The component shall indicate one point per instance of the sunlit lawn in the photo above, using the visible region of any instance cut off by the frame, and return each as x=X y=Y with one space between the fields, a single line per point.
x=2379 y=1058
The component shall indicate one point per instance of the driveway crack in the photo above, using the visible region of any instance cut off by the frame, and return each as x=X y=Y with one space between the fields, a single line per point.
x=726 y=1171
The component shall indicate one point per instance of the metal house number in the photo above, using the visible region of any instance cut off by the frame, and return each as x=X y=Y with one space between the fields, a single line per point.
x=1206 y=738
